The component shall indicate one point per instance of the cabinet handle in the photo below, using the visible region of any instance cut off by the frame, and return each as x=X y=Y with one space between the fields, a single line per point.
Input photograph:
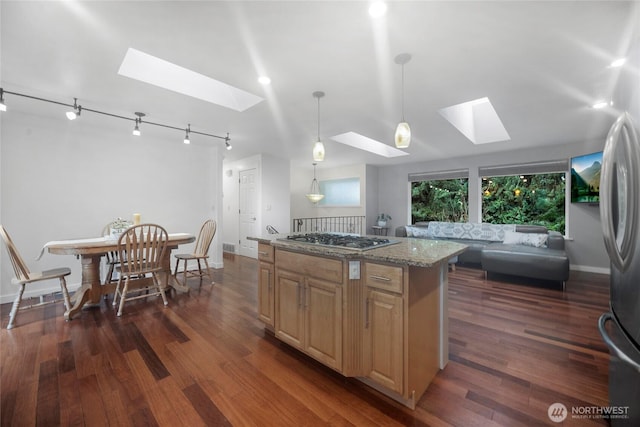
x=385 y=279
x=263 y=253
x=298 y=294
x=366 y=314
x=306 y=303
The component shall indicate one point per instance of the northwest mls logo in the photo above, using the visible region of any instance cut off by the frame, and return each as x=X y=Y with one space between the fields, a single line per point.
x=557 y=412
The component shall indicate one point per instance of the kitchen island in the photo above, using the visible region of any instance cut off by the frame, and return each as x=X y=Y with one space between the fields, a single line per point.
x=379 y=315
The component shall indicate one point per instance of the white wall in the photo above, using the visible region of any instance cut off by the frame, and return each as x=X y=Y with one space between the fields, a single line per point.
x=64 y=180
x=301 y=178
x=276 y=196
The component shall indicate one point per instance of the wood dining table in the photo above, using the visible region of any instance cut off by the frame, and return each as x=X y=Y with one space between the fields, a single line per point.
x=91 y=252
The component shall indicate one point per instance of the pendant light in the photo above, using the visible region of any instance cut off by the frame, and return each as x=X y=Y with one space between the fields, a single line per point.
x=318 y=147
x=403 y=131
x=314 y=195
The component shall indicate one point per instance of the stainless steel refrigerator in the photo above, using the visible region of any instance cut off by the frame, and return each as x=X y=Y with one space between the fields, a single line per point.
x=620 y=216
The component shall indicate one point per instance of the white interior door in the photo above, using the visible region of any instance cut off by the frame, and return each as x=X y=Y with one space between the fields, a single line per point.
x=248 y=212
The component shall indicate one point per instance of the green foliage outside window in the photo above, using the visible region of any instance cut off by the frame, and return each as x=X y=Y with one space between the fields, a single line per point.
x=537 y=199
x=440 y=200
x=526 y=199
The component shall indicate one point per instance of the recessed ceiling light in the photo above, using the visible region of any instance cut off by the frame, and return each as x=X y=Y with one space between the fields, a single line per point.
x=378 y=9
x=477 y=120
x=264 y=80
x=158 y=72
x=600 y=104
x=362 y=142
x=618 y=63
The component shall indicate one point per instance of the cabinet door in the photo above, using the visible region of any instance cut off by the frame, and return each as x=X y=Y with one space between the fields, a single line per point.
x=323 y=321
x=266 y=293
x=384 y=353
x=289 y=313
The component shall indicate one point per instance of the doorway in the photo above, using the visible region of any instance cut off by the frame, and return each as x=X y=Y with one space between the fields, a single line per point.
x=248 y=212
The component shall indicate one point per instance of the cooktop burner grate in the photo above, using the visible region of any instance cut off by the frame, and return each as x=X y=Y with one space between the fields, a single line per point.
x=347 y=241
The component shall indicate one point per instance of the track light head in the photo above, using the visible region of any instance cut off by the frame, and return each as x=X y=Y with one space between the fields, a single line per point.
x=136 y=130
x=77 y=109
x=3 y=106
x=186 y=136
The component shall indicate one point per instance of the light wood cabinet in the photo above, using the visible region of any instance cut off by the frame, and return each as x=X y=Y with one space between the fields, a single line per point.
x=323 y=322
x=266 y=293
x=308 y=310
x=384 y=323
x=289 y=319
x=266 y=284
x=383 y=350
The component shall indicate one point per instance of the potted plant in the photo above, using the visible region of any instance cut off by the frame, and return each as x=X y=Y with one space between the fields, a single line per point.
x=382 y=219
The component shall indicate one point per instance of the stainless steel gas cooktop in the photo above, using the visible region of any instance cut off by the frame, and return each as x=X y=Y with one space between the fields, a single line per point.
x=346 y=241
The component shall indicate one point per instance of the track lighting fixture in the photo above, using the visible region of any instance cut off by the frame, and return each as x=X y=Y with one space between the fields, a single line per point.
x=77 y=109
x=186 y=136
x=3 y=106
x=403 y=131
x=136 y=130
x=318 y=147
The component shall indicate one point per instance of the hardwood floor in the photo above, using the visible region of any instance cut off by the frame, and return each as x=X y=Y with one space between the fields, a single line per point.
x=206 y=360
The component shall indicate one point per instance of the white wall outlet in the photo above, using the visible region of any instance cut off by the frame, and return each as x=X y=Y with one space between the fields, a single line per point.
x=354 y=270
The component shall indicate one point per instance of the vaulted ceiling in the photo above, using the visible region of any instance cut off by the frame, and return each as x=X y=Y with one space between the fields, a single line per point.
x=541 y=63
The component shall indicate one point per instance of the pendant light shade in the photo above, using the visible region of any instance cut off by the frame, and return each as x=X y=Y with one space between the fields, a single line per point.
x=314 y=195
x=403 y=135
x=403 y=131
x=318 y=147
x=318 y=151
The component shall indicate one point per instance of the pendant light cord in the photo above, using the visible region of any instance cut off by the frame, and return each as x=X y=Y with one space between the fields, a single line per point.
x=318 y=118
x=403 y=92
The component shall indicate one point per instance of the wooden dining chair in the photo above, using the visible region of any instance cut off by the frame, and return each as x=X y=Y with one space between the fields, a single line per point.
x=24 y=277
x=200 y=253
x=112 y=258
x=141 y=249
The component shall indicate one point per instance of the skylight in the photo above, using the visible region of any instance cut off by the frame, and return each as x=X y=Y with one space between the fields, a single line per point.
x=367 y=144
x=158 y=72
x=477 y=120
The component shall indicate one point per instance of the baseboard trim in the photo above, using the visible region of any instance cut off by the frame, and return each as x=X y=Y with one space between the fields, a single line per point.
x=590 y=269
x=35 y=293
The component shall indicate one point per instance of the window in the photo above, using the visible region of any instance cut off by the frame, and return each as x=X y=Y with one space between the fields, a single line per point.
x=526 y=197
x=340 y=192
x=440 y=196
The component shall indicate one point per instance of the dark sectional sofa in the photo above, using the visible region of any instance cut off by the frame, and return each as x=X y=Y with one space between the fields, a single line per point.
x=520 y=250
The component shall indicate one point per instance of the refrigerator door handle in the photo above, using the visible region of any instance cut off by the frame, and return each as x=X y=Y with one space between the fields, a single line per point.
x=622 y=132
x=614 y=348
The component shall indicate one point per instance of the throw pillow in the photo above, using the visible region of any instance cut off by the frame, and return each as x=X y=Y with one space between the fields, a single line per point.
x=413 y=231
x=537 y=240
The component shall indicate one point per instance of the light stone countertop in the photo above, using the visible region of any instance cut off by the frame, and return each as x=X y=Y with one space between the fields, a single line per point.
x=409 y=250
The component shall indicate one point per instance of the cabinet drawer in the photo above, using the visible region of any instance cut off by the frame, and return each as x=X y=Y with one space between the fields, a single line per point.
x=313 y=266
x=384 y=277
x=265 y=252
